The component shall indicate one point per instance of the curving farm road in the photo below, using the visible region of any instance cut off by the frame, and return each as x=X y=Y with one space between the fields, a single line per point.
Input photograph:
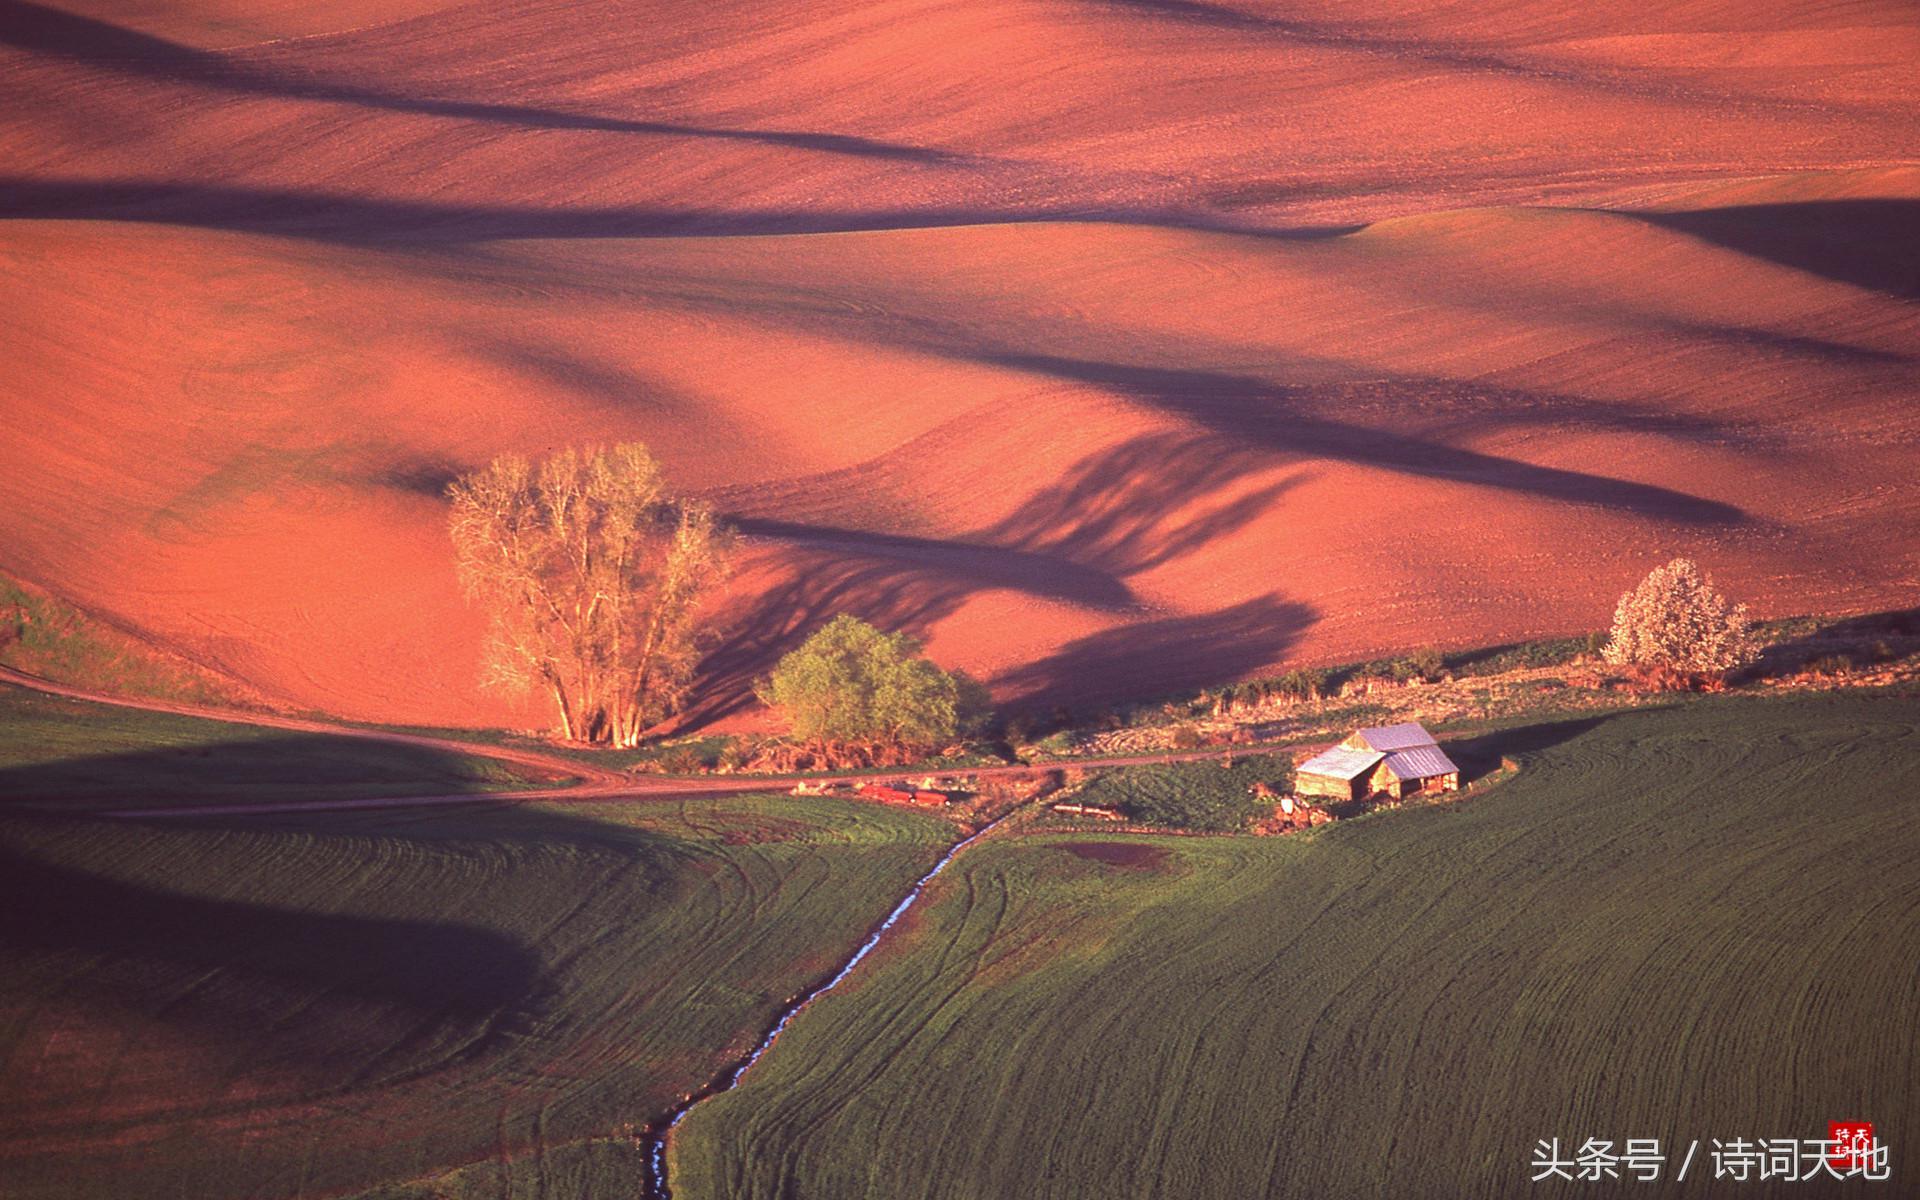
x=594 y=782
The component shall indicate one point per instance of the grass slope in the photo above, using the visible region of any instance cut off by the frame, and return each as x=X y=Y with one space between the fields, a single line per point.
x=1686 y=923
x=1209 y=795
x=474 y=1003
x=74 y=753
x=43 y=636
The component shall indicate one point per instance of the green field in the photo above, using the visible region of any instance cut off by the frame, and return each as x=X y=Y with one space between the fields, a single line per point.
x=1210 y=795
x=1694 y=922
x=470 y=1002
x=72 y=753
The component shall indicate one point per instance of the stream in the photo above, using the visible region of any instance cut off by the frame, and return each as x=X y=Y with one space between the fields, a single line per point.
x=661 y=1129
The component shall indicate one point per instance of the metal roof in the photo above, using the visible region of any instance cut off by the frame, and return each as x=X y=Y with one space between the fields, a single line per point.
x=1339 y=763
x=1389 y=738
x=1420 y=762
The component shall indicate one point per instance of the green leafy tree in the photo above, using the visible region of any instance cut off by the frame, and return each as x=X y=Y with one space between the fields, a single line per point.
x=592 y=575
x=857 y=694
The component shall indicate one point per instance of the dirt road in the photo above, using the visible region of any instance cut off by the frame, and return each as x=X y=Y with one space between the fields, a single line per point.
x=595 y=783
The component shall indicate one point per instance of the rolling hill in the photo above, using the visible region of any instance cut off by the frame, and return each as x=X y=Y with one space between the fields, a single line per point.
x=1116 y=347
x=1687 y=924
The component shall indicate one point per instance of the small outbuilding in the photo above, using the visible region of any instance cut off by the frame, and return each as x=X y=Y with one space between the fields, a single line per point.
x=1398 y=760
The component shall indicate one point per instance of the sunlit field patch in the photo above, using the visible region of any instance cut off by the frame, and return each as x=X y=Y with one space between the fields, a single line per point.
x=1692 y=922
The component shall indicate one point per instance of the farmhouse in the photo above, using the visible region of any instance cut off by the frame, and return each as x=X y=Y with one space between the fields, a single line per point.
x=1396 y=759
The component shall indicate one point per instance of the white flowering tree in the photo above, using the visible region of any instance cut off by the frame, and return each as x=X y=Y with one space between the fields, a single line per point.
x=1675 y=622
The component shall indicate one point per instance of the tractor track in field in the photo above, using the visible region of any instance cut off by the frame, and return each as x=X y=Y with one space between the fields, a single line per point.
x=593 y=783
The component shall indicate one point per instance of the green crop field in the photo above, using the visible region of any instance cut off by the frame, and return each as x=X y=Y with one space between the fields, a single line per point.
x=1208 y=795
x=480 y=1001
x=72 y=753
x=1696 y=922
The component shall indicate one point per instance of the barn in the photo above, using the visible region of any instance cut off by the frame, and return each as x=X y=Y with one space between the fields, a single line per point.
x=1338 y=774
x=1398 y=760
x=1416 y=769
x=1388 y=738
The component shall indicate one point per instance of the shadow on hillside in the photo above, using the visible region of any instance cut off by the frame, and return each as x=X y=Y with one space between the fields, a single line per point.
x=1862 y=640
x=1321 y=36
x=276 y=73
x=1775 y=344
x=1452 y=56
x=1870 y=244
x=1403 y=424
x=1114 y=509
x=1480 y=756
x=418 y=478
x=823 y=583
x=1115 y=513
x=165 y=919
x=1173 y=654
x=1108 y=516
x=427 y=966
x=615 y=386
x=965 y=565
x=1079 y=540
x=371 y=221
x=272 y=767
x=1255 y=412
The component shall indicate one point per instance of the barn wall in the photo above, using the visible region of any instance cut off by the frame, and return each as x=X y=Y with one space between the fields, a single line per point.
x=1321 y=785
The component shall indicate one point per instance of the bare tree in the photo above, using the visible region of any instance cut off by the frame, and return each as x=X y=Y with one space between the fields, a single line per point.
x=592 y=576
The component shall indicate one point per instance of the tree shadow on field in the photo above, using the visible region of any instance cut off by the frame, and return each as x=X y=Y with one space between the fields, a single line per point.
x=1254 y=412
x=1175 y=654
x=1111 y=515
x=1774 y=344
x=1115 y=510
x=420 y=477
x=961 y=564
x=277 y=72
x=1406 y=424
x=1872 y=244
x=821 y=584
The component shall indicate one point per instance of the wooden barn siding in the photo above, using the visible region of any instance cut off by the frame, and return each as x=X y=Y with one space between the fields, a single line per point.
x=1322 y=785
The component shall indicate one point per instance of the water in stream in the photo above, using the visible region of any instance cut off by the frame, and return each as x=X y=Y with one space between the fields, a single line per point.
x=658 y=1132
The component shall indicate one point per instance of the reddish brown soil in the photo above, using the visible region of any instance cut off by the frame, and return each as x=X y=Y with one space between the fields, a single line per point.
x=1118 y=854
x=1163 y=343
